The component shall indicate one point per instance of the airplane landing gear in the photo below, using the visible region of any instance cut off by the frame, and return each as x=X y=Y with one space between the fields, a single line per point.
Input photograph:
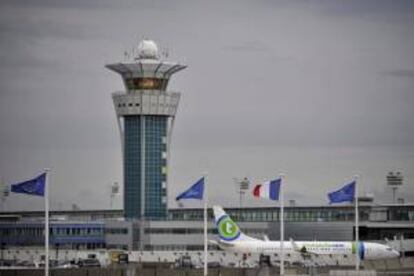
x=264 y=260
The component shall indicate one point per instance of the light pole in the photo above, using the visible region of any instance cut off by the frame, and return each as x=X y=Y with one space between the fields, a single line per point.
x=4 y=190
x=394 y=180
x=114 y=192
x=242 y=185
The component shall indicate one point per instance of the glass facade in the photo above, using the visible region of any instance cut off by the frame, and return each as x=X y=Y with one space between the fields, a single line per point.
x=150 y=132
x=263 y=214
x=72 y=236
x=155 y=167
x=132 y=167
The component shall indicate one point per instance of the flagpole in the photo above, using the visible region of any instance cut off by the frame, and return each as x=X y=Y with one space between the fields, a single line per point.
x=282 y=226
x=356 y=224
x=47 y=222
x=205 y=225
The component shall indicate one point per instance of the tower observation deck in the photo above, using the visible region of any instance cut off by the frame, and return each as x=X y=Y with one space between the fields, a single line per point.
x=145 y=116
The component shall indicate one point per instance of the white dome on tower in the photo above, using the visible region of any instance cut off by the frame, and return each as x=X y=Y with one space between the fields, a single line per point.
x=147 y=49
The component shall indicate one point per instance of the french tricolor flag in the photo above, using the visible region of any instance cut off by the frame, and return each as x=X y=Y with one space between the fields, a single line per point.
x=268 y=189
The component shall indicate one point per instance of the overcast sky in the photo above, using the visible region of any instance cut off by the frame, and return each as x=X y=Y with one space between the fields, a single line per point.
x=319 y=90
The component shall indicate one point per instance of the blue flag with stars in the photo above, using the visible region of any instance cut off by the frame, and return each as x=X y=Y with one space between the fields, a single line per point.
x=35 y=186
x=195 y=191
x=346 y=193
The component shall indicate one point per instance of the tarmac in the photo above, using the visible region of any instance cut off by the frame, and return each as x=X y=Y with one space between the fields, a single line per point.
x=399 y=267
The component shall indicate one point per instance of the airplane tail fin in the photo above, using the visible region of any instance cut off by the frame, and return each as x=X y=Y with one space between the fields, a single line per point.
x=227 y=229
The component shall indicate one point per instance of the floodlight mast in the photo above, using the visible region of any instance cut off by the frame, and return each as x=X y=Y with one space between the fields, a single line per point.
x=242 y=185
x=114 y=191
x=394 y=180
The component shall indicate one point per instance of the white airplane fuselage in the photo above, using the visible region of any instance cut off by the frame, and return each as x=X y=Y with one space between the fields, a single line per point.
x=231 y=238
x=366 y=250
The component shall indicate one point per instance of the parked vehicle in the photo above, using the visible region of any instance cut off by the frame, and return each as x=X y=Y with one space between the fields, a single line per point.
x=213 y=264
x=123 y=258
x=6 y=263
x=184 y=262
x=66 y=264
x=25 y=264
x=89 y=263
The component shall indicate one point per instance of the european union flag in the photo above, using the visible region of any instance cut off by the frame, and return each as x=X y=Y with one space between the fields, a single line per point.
x=346 y=193
x=196 y=191
x=35 y=186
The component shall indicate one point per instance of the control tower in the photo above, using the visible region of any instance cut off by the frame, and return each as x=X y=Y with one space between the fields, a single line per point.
x=145 y=115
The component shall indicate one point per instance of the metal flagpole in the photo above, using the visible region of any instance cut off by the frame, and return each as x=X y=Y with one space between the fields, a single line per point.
x=47 y=222
x=205 y=225
x=356 y=224
x=282 y=227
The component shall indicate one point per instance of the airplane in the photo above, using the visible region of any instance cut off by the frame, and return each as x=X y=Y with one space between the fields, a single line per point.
x=234 y=240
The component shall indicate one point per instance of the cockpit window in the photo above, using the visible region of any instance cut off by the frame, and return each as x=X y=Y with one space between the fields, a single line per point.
x=388 y=248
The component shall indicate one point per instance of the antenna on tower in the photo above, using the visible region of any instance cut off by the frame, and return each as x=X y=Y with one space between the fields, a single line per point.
x=164 y=53
x=167 y=52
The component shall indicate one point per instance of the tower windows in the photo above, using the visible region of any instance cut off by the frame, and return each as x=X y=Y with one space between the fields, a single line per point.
x=146 y=83
x=129 y=104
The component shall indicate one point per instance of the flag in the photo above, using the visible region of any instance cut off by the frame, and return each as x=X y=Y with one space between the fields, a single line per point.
x=268 y=189
x=196 y=191
x=35 y=186
x=346 y=193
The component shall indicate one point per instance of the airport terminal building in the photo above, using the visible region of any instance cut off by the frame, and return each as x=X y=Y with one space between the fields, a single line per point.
x=183 y=228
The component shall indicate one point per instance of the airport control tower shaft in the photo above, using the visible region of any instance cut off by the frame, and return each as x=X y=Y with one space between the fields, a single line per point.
x=145 y=114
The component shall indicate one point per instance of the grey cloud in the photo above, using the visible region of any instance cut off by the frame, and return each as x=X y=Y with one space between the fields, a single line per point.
x=39 y=29
x=362 y=9
x=53 y=4
x=270 y=86
x=90 y=5
x=248 y=46
x=400 y=73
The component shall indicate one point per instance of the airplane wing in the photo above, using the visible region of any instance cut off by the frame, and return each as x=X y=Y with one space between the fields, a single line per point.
x=309 y=258
x=302 y=250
